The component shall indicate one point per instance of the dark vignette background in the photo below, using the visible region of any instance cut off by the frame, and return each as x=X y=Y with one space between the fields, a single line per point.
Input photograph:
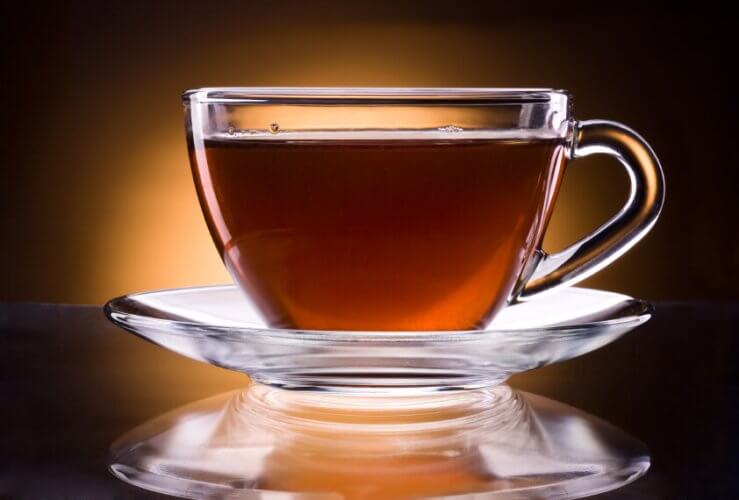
x=96 y=200
x=96 y=194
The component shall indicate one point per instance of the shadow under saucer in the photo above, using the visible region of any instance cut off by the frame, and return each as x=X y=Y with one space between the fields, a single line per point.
x=265 y=442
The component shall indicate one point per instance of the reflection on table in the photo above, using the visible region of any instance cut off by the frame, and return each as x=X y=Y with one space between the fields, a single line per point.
x=491 y=442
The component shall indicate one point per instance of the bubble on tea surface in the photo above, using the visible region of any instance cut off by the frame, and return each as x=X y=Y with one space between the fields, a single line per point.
x=231 y=131
x=450 y=128
x=274 y=127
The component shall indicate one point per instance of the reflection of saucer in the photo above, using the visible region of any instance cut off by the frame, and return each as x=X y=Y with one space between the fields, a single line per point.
x=485 y=443
x=216 y=325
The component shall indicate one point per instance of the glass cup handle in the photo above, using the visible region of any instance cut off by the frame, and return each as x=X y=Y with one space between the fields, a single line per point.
x=621 y=232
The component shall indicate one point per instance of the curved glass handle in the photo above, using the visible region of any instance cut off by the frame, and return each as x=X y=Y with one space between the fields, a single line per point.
x=626 y=228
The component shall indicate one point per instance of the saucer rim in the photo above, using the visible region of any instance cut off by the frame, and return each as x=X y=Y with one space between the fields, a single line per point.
x=643 y=311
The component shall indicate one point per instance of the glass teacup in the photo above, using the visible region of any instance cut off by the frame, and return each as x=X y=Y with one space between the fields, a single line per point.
x=398 y=208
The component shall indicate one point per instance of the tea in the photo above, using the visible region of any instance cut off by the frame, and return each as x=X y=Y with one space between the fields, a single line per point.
x=377 y=234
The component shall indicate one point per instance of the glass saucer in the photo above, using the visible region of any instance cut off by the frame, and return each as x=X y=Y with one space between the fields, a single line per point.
x=265 y=442
x=218 y=326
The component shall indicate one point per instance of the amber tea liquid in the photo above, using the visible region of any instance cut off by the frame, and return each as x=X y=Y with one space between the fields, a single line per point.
x=377 y=234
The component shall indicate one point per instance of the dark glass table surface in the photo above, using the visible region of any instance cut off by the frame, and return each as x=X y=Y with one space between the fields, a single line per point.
x=70 y=383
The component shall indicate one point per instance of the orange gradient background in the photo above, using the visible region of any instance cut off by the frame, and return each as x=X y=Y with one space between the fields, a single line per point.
x=97 y=196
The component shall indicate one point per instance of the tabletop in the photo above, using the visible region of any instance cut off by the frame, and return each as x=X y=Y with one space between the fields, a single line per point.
x=71 y=382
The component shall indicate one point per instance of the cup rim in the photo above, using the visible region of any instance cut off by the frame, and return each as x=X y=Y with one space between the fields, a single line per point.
x=372 y=95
